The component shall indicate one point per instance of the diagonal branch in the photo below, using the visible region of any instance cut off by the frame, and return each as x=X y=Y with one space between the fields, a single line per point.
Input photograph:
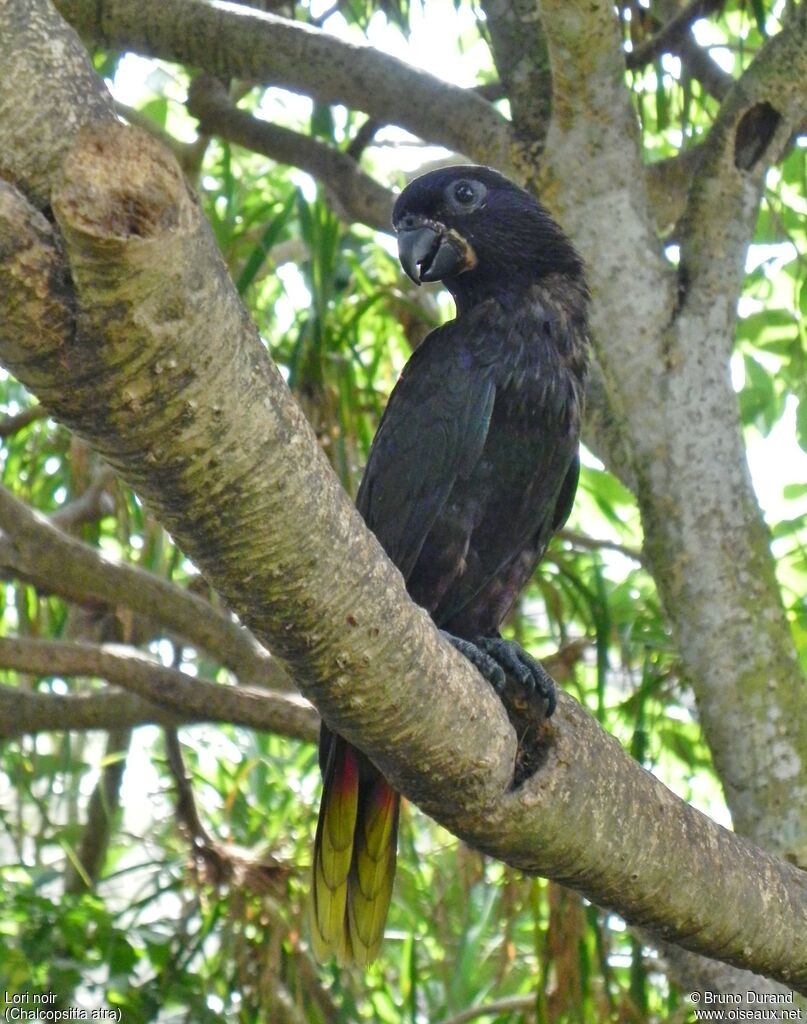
x=669 y=36
x=10 y=425
x=354 y=193
x=231 y=42
x=699 y=64
x=160 y=688
x=25 y=713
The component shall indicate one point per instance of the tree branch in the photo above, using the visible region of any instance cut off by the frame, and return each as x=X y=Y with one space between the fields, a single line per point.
x=91 y=505
x=231 y=42
x=593 y=114
x=167 y=695
x=582 y=540
x=697 y=61
x=355 y=195
x=10 y=425
x=669 y=36
x=31 y=146
x=668 y=382
x=33 y=550
x=519 y=49
x=733 y=635
x=497 y=1008
x=668 y=184
x=761 y=113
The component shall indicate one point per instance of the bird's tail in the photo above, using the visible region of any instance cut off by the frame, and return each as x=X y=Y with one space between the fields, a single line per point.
x=354 y=856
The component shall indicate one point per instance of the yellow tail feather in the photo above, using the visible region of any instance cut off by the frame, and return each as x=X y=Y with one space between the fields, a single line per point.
x=354 y=858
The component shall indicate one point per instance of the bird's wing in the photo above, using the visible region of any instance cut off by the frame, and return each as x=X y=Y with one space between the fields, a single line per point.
x=433 y=431
x=527 y=475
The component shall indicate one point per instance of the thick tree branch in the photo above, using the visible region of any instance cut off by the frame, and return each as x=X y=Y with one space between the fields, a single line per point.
x=704 y=535
x=356 y=196
x=31 y=147
x=733 y=634
x=519 y=50
x=156 y=694
x=755 y=125
x=592 y=113
x=667 y=377
x=25 y=713
x=231 y=42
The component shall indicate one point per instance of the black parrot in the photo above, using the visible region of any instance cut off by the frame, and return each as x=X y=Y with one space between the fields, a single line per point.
x=473 y=469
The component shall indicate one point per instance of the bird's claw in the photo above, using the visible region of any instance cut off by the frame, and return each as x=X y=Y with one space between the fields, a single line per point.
x=502 y=660
x=480 y=659
x=523 y=668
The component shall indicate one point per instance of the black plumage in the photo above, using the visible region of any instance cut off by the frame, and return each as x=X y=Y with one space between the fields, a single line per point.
x=473 y=469
x=474 y=466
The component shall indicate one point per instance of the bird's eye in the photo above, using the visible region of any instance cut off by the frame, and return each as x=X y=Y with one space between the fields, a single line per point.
x=465 y=195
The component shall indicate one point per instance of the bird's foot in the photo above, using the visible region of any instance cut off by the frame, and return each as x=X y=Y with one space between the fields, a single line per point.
x=525 y=689
x=503 y=663
x=534 y=681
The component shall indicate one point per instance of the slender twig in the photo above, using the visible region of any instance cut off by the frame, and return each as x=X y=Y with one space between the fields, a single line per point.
x=187 y=813
x=101 y=812
x=582 y=540
x=89 y=507
x=669 y=36
x=512 y=1004
x=265 y=48
x=10 y=425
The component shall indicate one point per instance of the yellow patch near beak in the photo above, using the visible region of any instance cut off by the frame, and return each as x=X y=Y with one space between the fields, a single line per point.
x=468 y=259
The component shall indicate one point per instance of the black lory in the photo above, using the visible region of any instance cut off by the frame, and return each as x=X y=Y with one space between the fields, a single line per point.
x=473 y=469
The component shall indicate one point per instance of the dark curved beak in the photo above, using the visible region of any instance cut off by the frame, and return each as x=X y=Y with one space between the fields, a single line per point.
x=428 y=253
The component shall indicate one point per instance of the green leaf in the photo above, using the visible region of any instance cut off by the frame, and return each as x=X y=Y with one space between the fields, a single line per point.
x=758 y=7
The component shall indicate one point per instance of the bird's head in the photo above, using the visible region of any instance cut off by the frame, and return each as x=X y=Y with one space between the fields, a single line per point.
x=478 y=233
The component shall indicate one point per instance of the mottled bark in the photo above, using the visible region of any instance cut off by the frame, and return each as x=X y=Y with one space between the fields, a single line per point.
x=666 y=364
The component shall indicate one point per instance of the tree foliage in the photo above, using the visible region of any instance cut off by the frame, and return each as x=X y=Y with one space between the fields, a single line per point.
x=154 y=851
